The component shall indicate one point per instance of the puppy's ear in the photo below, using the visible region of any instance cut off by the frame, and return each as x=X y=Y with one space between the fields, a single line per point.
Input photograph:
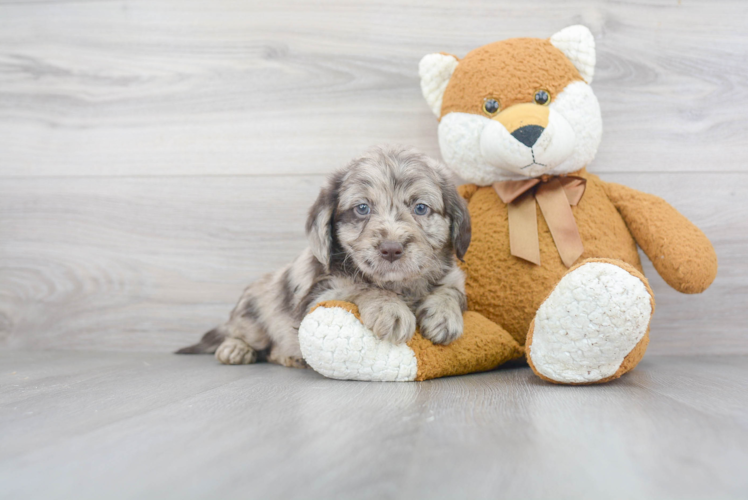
x=319 y=224
x=459 y=218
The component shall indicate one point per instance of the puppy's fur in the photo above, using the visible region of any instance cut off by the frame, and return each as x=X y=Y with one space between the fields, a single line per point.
x=391 y=199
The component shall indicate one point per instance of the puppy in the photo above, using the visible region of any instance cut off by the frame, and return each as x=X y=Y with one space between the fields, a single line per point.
x=383 y=234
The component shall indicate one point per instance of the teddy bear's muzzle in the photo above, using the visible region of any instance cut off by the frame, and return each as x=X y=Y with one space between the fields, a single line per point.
x=527 y=139
x=525 y=122
x=526 y=117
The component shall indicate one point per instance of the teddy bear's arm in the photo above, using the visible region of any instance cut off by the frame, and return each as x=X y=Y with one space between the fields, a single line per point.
x=679 y=251
x=467 y=191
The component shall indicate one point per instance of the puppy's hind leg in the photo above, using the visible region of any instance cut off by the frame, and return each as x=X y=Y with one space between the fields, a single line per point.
x=228 y=350
x=285 y=349
x=235 y=352
x=291 y=360
x=244 y=340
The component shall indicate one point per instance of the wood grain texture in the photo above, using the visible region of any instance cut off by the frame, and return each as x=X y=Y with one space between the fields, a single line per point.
x=156 y=156
x=230 y=87
x=133 y=263
x=123 y=425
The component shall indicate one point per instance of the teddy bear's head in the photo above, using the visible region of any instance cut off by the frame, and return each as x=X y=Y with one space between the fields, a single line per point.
x=518 y=108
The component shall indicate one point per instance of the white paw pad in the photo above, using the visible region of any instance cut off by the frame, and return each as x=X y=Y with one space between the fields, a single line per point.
x=336 y=344
x=591 y=321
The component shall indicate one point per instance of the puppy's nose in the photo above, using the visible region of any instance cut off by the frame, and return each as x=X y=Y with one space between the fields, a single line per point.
x=391 y=250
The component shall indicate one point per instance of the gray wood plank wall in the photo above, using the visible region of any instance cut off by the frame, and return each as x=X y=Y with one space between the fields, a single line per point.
x=156 y=156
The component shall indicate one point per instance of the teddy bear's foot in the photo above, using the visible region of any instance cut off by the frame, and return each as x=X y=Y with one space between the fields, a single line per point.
x=336 y=344
x=594 y=326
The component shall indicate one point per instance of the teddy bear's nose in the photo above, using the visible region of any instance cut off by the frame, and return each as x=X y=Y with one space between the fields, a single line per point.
x=528 y=135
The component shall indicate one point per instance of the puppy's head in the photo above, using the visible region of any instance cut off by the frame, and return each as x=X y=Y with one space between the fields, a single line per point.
x=390 y=215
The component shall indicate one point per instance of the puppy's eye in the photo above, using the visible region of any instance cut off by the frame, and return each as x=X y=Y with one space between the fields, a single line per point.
x=362 y=209
x=421 y=209
x=542 y=97
x=490 y=106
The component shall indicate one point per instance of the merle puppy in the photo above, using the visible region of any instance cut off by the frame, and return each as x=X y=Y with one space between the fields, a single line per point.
x=383 y=234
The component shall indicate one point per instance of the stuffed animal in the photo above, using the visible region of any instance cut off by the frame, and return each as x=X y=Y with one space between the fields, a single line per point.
x=553 y=271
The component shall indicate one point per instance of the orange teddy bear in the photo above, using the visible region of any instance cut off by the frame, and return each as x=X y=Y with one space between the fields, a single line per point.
x=562 y=285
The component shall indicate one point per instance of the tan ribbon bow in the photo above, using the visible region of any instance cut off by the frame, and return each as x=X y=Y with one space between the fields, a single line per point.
x=556 y=196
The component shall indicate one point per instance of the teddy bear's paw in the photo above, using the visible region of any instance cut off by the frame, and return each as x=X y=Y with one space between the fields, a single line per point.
x=337 y=345
x=591 y=321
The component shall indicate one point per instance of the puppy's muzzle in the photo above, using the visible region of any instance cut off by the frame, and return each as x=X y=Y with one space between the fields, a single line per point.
x=391 y=250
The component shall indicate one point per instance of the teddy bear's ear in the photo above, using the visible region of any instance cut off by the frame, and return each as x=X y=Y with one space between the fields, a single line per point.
x=578 y=44
x=435 y=71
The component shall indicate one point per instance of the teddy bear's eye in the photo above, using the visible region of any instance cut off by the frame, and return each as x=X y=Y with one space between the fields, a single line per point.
x=490 y=106
x=542 y=97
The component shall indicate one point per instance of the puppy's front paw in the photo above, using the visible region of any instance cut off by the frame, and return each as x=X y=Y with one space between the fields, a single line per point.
x=390 y=320
x=440 y=320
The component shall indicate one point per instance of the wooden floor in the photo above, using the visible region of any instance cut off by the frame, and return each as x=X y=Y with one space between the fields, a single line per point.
x=125 y=425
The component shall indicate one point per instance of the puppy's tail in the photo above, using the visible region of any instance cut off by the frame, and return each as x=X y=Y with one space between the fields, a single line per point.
x=207 y=345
